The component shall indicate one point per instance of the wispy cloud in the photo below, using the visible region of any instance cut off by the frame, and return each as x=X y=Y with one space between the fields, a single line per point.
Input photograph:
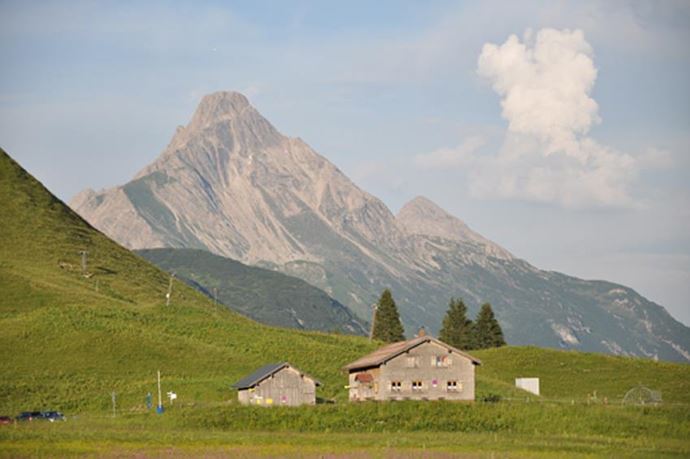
x=463 y=154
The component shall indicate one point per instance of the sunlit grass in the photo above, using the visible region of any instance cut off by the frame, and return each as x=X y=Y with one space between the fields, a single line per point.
x=528 y=433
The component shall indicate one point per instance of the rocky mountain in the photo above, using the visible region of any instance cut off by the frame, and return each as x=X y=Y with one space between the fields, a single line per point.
x=266 y=296
x=230 y=183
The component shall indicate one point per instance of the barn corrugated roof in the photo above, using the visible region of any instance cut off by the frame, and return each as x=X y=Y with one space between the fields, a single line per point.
x=384 y=354
x=263 y=373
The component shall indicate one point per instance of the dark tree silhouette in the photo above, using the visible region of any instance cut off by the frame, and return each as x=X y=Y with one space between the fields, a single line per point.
x=387 y=325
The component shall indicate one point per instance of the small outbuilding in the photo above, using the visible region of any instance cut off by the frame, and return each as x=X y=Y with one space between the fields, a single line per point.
x=422 y=368
x=528 y=384
x=277 y=384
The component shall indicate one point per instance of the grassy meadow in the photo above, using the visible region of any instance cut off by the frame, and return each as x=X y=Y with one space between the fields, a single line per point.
x=405 y=429
x=71 y=337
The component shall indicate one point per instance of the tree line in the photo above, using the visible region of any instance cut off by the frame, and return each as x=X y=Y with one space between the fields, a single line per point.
x=457 y=329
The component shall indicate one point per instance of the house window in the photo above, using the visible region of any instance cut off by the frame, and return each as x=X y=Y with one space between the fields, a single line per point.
x=440 y=361
x=453 y=386
x=416 y=385
x=396 y=386
x=411 y=362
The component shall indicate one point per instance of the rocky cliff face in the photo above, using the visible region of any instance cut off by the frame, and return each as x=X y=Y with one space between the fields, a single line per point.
x=229 y=182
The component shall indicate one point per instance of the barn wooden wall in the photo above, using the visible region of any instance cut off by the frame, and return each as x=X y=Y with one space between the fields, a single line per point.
x=286 y=387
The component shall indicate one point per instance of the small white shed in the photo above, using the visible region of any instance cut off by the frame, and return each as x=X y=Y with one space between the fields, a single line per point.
x=528 y=384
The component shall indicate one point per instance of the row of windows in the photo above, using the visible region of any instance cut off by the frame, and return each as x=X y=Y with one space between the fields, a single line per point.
x=438 y=361
x=418 y=386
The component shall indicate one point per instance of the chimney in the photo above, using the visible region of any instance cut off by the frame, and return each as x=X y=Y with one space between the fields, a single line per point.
x=421 y=332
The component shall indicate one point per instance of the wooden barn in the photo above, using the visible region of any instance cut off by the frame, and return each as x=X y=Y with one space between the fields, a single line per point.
x=422 y=368
x=277 y=384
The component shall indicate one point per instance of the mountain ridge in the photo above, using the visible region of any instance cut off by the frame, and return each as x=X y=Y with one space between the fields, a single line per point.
x=269 y=297
x=230 y=183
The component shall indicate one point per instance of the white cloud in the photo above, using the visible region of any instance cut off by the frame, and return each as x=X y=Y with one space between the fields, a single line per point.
x=545 y=83
x=545 y=88
x=524 y=170
x=463 y=154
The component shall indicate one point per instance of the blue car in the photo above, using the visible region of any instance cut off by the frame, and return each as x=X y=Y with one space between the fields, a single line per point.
x=53 y=416
x=30 y=416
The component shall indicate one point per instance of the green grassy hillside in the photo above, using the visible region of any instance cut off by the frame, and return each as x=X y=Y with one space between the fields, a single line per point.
x=269 y=297
x=70 y=339
x=580 y=376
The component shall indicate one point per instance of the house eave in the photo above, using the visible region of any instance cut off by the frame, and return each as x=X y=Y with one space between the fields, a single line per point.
x=412 y=344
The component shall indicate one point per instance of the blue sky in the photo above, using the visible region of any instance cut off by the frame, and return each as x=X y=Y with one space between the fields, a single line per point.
x=393 y=94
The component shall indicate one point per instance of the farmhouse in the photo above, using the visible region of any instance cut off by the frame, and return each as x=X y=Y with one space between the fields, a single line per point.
x=277 y=384
x=422 y=368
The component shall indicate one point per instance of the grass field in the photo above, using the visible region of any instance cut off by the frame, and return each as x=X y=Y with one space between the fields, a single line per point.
x=71 y=337
x=388 y=430
x=571 y=375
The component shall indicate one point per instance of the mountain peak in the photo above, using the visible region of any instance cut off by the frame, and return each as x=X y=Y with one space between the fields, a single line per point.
x=219 y=106
x=425 y=207
x=225 y=119
x=423 y=216
x=225 y=98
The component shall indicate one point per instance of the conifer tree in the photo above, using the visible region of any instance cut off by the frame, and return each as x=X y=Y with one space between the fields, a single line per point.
x=457 y=329
x=387 y=325
x=488 y=331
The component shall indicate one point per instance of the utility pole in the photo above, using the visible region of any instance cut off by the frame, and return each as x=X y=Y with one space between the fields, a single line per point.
x=215 y=296
x=84 y=255
x=374 y=308
x=160 y=401
x=169 y=294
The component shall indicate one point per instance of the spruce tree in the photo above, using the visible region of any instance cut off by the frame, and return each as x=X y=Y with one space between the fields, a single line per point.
x=387 y=325
x=457 y=329
x=488 y=331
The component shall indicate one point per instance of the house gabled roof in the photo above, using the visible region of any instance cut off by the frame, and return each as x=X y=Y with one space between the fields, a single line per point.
x=386 y=353
x=264 y=372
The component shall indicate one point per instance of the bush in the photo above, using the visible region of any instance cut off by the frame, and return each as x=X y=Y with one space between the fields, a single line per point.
x=490 y=398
